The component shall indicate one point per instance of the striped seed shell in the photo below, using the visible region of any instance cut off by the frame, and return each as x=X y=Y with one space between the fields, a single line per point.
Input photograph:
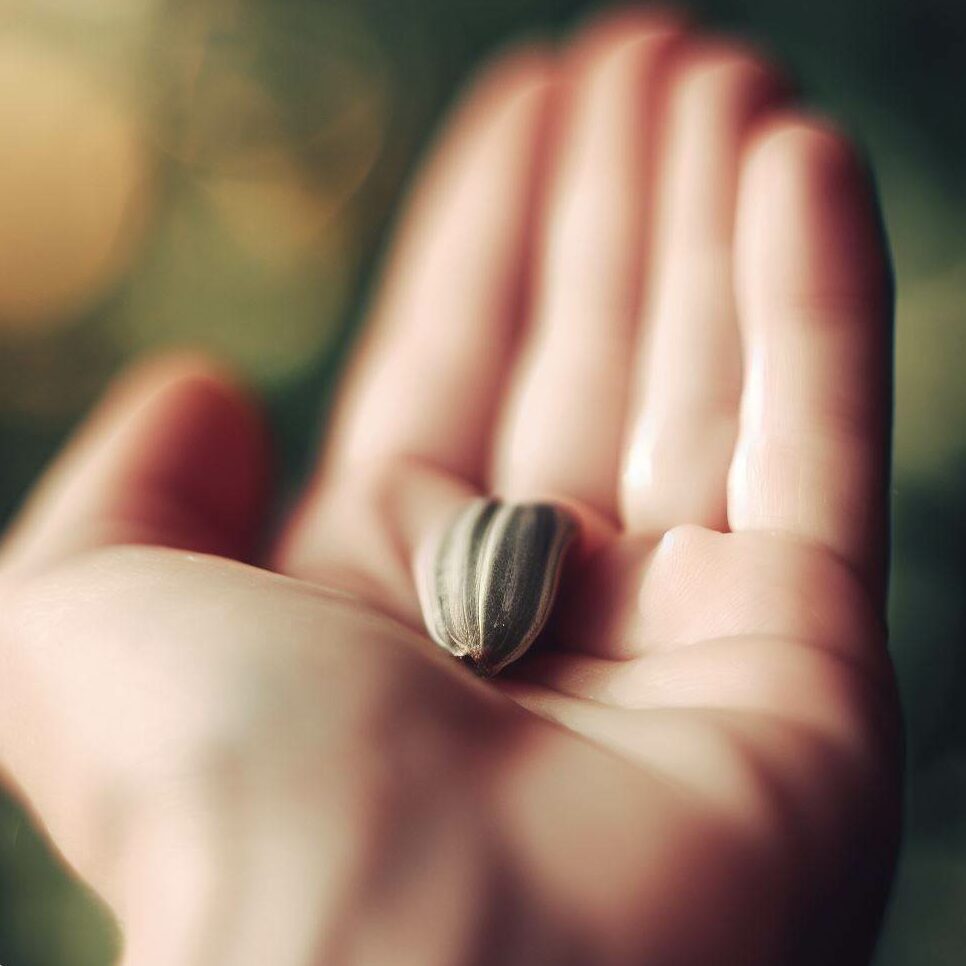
x=488 y=583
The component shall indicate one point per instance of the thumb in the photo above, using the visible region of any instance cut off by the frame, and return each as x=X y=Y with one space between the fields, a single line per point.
x=173 y=455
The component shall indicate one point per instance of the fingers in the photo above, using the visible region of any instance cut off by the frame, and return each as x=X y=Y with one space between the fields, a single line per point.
x=814 y=299
x=613 y=416
x=420 y=403
x=684 y=420
x=174 y=455
x=561 y=431
x=426 y=387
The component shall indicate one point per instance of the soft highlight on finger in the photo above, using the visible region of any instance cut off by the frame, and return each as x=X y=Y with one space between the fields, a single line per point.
x=814 y=298
x=560 y=431
x=683 y=422
x=425 y=385
x=419 y=403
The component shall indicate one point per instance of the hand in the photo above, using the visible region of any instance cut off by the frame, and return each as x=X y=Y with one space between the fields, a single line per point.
x=699 y=763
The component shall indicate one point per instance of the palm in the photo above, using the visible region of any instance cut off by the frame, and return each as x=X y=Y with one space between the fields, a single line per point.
x=759 y=725
x=684 y=338
x=746 y=668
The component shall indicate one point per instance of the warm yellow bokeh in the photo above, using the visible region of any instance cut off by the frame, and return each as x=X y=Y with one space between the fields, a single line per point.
x=74 y=186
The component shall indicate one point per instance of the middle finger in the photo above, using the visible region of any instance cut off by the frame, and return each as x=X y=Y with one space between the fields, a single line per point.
x=561 y=431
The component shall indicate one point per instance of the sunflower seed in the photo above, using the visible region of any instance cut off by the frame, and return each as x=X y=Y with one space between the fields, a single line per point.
x=488 y=583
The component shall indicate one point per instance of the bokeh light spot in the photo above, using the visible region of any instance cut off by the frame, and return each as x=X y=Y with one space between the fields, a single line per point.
x=74 y=187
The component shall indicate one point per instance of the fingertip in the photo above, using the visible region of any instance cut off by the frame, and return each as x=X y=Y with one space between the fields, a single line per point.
x=207 y=435
x=512 y=75
x=176 y=454
x=500 y=112
x=508 y=93
x=601 y=32
x=732 y=73
x=805 y=171
x=812 y=148
x=190 y=390
x=188 y=377
x=606 y=41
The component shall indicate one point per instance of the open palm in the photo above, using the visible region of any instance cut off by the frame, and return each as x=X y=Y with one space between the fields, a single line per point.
x=634 y=280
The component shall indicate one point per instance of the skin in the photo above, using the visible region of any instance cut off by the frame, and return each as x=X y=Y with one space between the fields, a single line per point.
x=634 y=278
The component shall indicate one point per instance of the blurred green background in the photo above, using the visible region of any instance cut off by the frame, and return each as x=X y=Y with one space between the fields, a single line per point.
x=222 y=172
